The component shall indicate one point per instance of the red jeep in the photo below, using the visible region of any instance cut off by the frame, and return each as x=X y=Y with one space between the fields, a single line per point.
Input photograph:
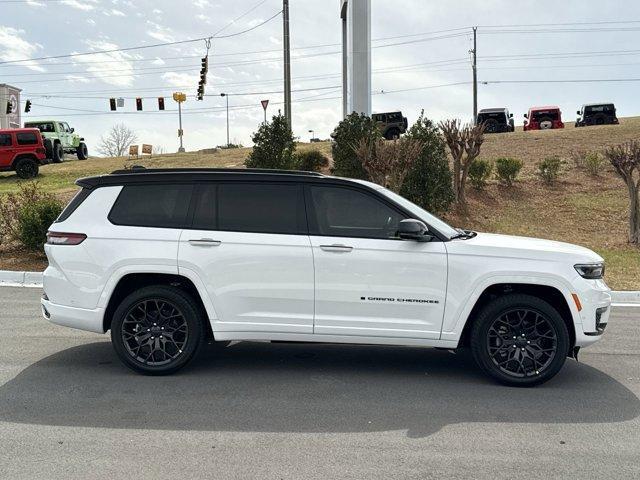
x=543 y=118
x=22 y=150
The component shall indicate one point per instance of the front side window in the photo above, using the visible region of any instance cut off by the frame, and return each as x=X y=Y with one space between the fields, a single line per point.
x=345 y=212
x=5 y=140
x=260 y=208
x=162 y=206
x=27 y=138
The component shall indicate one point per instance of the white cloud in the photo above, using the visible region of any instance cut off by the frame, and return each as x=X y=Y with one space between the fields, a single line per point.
x=176 y=79
x=117 y=68
x=159 y=32
x=86 y=5
x=14 y=47
x=201 y=3
x=117 y=13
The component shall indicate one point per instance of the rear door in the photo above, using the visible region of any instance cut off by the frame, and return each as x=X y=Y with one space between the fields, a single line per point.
x=249 y=245
x=6 y=150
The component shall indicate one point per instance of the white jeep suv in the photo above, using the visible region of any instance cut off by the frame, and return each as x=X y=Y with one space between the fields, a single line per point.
x=167 y=259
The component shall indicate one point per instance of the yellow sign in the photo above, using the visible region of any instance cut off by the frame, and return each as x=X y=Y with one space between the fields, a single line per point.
x=180 y=97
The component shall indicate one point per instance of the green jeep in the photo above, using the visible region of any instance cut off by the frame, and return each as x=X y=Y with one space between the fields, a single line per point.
x=60 y=139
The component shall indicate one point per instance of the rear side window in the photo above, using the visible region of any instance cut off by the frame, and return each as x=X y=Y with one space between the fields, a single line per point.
x=27 y=138
x=73 y=205
x=161 y=206
x=257 y=208
x=5 y=140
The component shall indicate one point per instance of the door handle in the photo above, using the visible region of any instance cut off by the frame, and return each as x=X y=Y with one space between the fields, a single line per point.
x=336 y=248
x=205 y=242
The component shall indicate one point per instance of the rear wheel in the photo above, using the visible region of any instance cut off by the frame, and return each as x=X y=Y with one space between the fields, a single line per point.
x=82 y=151
x=157 y=330
x=58 y=153
x=392 y=134
x=27 y=168
x=520 y=340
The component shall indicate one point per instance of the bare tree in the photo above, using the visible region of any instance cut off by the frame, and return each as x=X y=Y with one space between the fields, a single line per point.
x=388 y=162
x=625 y=159
x=117 y=142
x=464 y=143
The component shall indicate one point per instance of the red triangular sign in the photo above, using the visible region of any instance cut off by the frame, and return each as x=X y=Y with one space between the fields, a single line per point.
x=265 y=104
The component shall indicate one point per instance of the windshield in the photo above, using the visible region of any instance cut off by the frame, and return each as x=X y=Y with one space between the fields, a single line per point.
x=421 y=214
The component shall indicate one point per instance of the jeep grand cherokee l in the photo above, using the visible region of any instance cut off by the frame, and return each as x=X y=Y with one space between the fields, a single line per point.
x=165 y=259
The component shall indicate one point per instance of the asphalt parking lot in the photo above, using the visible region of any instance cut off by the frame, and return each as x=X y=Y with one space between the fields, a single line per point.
x=68 y=409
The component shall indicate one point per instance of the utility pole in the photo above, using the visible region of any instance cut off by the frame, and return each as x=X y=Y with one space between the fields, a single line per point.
x=227 y=97
x=287 y=62
x=475 y=74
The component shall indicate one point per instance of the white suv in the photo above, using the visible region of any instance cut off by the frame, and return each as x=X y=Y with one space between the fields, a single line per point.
x=167 y=259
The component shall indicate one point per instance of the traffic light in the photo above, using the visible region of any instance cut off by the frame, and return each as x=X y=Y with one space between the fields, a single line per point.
x=9 y=108
x=112 y=104
x=160 y=103
x=27 y=106
x=139 y=104
x=203 y=77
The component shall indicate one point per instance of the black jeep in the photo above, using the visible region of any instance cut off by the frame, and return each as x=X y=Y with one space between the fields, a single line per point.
x=597 y=114
x=496 y=120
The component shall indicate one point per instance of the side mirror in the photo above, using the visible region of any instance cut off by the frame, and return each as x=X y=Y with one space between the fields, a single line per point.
x=578 y=112
x=72 y=129
x=411 y=229
x=511 y=115
x=526 y=115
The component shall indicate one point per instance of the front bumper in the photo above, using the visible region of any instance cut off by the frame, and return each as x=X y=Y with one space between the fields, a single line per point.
x=80 y=318
x=595 y=299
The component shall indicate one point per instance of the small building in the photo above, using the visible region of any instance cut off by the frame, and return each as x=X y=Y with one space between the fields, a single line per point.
x=9 y=96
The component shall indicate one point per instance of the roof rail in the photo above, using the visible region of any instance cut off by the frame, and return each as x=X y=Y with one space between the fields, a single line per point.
x=137 y=169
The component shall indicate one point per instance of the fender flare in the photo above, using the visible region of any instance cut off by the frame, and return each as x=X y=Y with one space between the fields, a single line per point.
x=461 y=316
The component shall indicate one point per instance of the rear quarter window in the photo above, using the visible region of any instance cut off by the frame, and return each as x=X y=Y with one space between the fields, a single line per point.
x=27 y=138
x=5 y=140
x=159 y=206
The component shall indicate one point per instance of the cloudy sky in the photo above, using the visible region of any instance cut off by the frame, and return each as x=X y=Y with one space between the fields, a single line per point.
x=420 y=60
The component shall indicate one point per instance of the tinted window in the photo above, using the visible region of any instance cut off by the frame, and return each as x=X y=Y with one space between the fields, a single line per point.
x=27 y=138
x=73 y=205
x=261 y=208
x=5 y=140
x=540 y=115
x=206 y=212
x=152 y=206
x=350 y=213
x=43 y=127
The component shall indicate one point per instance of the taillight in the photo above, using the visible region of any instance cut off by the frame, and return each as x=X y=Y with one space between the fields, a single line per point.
x=40 y=150
x=58 y=238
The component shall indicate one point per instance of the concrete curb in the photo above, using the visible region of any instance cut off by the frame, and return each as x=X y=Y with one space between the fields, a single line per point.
x=34 y=280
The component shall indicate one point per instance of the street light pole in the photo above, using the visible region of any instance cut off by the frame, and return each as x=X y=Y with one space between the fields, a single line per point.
x=180 y=97
x=227 y=97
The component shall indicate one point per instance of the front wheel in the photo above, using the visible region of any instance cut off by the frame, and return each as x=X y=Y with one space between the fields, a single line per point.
x=82 y=151
x=157 y=330
x=520 y=340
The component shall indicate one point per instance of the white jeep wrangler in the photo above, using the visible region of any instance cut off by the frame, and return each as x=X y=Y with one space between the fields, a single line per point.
x=166 y=259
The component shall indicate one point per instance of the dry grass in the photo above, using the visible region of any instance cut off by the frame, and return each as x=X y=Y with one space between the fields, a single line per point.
x=591 y=211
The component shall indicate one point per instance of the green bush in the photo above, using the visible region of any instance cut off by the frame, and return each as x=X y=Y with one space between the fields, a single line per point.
x=346 y=137
x=273 y=146
x=479 y=173
x=594 y=163
x=311 y=161
x=26 y=215
x=508 y=169
x=549 y=169
x=34 y=220
x=428 y=183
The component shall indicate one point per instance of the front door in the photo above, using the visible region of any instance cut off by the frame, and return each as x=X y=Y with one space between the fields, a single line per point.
x=249 y=246
x=368 y=282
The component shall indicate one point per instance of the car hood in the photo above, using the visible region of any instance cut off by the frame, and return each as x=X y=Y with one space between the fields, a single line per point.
x=523 y=247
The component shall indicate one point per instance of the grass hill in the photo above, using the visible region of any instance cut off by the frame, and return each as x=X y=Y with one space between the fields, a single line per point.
x=591 y=211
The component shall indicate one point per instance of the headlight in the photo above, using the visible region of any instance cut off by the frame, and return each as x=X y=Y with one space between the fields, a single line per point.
x=590 y=271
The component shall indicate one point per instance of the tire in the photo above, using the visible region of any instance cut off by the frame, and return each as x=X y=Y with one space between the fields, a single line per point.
x=545 y=123
x=27 y=168
x=491 y=126
x=498 y=354
x=392 y=134
x=147 y=352
x=58 y=153
x=48 y=148
x=82 y=151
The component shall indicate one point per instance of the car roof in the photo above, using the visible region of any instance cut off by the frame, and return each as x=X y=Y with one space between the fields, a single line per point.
x=178 y=175
x=597 y=104
x=548 y=107
x=15 y=130
x=43 y=121
x=493 y=110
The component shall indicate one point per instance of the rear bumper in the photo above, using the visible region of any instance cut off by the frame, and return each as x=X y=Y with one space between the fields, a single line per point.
x=79 y=318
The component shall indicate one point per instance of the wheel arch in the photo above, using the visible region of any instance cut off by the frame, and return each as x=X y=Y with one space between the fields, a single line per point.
x=131 y=282
x=550 y=294
x=21 y=156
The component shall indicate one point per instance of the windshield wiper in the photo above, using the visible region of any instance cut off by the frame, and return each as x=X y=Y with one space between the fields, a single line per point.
x=464 y=234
